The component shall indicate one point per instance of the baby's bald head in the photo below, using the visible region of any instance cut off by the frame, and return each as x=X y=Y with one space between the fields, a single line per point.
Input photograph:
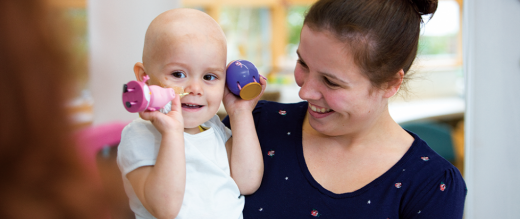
x=180 y=25
x=186 y=48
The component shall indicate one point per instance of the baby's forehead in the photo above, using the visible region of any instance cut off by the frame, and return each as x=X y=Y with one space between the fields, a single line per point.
x=182 y=22
x=186 y=26
x=183 y=41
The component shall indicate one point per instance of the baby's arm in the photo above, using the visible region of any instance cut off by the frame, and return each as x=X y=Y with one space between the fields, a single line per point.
x=244 y=153
x=160 y=188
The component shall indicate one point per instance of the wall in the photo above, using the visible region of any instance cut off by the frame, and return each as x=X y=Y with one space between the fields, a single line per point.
x=492 y=67
x=116 y=37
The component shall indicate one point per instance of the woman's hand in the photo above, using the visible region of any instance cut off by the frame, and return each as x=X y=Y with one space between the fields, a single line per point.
x=234 y=104
x=166 y=123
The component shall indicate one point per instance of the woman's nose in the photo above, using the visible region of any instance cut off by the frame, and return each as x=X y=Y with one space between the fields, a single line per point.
x=309 y=89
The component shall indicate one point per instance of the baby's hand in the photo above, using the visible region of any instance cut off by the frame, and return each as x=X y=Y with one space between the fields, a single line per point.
x=235 y=104
x=166 y=123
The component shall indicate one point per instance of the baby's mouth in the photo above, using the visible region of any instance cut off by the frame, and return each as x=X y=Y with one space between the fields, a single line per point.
x=191 y=106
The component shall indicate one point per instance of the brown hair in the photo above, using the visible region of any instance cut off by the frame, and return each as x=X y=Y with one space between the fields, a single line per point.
x=42 y=174
x=383 y=34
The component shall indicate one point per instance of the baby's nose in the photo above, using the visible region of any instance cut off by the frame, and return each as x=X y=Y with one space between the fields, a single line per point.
x=194 y=88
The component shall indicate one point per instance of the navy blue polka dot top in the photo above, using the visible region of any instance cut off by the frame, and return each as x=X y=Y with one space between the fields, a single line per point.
x=420 y=185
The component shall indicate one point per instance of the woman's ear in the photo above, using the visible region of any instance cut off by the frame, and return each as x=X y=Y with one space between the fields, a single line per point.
x=139 y=71
x=393 y=86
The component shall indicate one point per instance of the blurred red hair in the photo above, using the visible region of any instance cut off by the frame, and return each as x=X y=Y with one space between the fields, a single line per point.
x=42 y=175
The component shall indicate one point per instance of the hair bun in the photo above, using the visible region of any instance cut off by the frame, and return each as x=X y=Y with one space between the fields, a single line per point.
x=424 y=7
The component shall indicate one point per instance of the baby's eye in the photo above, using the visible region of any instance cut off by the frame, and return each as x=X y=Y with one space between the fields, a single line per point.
x=210 y=77
x=178 y=74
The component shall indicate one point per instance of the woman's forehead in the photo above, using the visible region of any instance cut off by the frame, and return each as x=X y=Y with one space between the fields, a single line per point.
x=322 y=51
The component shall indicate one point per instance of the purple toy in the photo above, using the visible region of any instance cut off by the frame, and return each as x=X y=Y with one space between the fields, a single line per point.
x=138 y=97
x=242 y=79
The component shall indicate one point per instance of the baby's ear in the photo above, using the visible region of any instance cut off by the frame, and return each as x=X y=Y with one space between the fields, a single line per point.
x=139 y=71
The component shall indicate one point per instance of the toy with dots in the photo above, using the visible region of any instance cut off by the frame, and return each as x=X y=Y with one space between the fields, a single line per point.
x=242 y=79
x=139 y=97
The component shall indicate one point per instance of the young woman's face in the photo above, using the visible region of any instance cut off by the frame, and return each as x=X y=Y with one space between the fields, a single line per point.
x=341 y=99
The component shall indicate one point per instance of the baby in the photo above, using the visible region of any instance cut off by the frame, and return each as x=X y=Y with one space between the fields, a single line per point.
x=185 y=164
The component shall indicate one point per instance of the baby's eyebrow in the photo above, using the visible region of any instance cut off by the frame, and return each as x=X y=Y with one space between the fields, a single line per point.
x=215 y=69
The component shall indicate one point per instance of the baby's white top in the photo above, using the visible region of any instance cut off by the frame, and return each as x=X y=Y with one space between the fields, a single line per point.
x=210 y=191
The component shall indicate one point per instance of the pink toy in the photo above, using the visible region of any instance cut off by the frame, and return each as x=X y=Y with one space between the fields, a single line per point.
x=138 y=97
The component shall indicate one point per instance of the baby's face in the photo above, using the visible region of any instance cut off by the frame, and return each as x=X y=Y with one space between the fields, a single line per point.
x=196 y=63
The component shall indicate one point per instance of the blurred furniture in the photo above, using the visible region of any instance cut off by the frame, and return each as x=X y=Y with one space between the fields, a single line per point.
x=437 y=135
x=458 y=143
x=80 y=111
x=98 y=147
x=271 y=96
x=428 y=109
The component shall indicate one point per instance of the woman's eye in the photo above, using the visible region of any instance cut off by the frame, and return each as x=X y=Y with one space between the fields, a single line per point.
x=179 y=74
x=302 y=63
x=330 y=83
x=210 y=77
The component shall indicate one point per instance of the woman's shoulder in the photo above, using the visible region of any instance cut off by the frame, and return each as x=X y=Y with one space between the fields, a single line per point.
x=424 y=158
x=264 y=105
x=432 y=183
x=425 y=166
x=270 y=113
x=273 y=113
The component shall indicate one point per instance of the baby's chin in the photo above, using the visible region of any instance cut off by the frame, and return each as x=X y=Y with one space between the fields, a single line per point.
x=190 y=123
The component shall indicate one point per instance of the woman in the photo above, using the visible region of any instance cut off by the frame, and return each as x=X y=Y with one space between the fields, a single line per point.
x=42 y=175
x=340 y=154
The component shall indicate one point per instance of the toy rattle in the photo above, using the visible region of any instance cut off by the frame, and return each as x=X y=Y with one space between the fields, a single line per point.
x=138 y=97
x=242 y=79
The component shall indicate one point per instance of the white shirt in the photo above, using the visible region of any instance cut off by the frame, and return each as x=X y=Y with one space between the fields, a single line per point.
x=210 y=191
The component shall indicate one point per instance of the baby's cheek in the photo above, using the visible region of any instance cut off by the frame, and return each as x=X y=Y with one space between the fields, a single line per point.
x=171 y=84
x=216 y=95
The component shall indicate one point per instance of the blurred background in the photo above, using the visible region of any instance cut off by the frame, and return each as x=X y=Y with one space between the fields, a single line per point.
x=109 y=37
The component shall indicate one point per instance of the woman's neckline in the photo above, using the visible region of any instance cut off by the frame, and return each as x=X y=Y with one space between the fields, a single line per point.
x=305 y=170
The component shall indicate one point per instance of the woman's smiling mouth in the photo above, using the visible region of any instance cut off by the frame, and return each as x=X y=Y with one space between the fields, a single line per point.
x=318 y=109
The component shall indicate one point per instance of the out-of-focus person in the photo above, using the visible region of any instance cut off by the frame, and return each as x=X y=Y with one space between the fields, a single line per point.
x=41 y=172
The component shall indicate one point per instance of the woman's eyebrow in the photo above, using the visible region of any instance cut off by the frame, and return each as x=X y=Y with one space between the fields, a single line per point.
x=299 y=56
x=333 y=76
x=330 y=75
